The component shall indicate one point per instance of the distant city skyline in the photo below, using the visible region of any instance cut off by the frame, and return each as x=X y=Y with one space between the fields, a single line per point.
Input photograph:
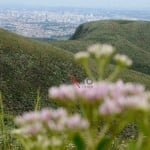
x=136 y=4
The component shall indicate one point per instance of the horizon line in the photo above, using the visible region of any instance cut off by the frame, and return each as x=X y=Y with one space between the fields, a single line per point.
x=15 y=6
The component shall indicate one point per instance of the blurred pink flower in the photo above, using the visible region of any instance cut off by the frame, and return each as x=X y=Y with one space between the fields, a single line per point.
x=46 y=120
x=76 y=122
x=113 y=97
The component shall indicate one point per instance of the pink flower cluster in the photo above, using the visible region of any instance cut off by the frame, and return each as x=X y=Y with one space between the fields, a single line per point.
x=122 y=96
x=114 y=97
x=49 y=120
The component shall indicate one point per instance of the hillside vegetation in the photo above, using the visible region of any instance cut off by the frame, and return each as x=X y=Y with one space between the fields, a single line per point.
x=27 y=65
x=129 y=37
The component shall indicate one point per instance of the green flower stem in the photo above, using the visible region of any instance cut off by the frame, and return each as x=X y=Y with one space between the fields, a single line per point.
x=145 y=131
x=84 y=63
x=88 y=72
x=91 y=133
x=116 y=72
x=24 y=142
x=87 y=69
x=90 y=144
x=2 y=121
x=93 y=139
x=103 y=132
x=102 y=66
x=139 y=142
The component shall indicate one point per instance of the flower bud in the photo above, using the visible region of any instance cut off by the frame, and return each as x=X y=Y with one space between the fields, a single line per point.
x=123 y=60
x=99 y=50
x=82 y=56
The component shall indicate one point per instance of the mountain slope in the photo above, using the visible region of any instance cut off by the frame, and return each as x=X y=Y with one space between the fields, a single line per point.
x=129 y=37
x=27 y=65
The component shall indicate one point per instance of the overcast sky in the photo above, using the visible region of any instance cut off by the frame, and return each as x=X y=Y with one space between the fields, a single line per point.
x=80 y=3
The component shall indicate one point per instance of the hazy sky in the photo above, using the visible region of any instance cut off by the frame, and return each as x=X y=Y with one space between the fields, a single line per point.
x=80 y=3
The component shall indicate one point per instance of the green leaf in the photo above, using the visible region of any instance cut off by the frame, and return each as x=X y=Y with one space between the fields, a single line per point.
x=103 y=144
x=79 y=142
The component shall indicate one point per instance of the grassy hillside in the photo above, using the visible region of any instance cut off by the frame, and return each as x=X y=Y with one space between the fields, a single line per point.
x=129 y=37
x=27 y=65
x=137 y=77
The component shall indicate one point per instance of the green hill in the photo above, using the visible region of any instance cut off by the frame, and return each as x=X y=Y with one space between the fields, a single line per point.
x=27 y=65
x=129 y=37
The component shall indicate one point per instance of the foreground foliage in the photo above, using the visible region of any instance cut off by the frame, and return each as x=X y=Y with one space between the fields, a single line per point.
x=104 y=109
